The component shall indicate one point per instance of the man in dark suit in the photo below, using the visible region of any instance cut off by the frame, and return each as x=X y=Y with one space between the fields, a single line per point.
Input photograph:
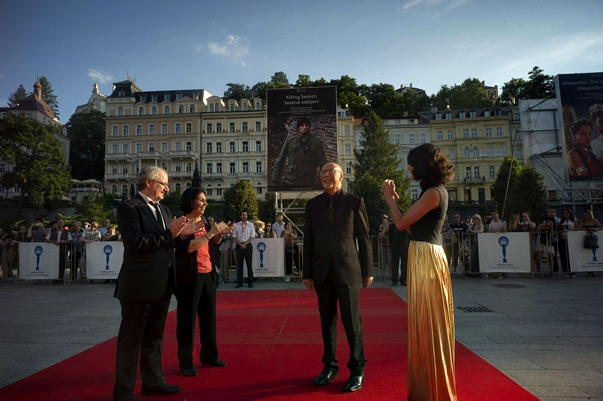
x=145 y=284
x=335 y=222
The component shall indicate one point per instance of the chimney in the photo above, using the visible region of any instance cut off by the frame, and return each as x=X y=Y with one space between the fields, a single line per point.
x=38 y=89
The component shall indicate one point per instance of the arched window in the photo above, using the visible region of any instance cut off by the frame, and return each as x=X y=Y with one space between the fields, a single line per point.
x=191 y=108
x=181 y=109
x=141 y=111
x=124 y=191
x=244 y=106
x=467 y=152
x=120 y=111
x=231 y=107
x=114 y=189
x=166 y=110
x=211 y=107
x=188 y=185
x=154 y=110
x=475 y=152
x=177 y=187
x=217 y=107
x=209 y=190
x=258 y=106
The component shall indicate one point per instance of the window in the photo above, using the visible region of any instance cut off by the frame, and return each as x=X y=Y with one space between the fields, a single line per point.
x=151 y=146
x=151 y=129
x=258 y=190
x=166 y=110
x=488 y=132
x=475 y=152
x=450 y=136
x=414 y=193
x=208 y=168
x=486 y=113
x=163 y=165
x=348 y=149
x=490 y=152
x=465 y=133
x=189 y=166
x=208 y=128
x=473 y=133
x=114 y=169
x=232 y=107
x=348 y=168
x=258 y=106
x=397 y=139
x=124 y=169
x=245 y=107
x=218 y=147
x=139 y=148
x=209 y=190
x=468 y=173
x=438 y=116
x=499 y=132
x=125 y=130
x=462 y=114
x=519 y=153
x=476 y=173
x=178 y=166
x=178 y=128
x=114 y=188
x=180 y=109
x=178 y=187
x=138 y=129
x=231 y=127
x=178 y=146
x=231 y=147
x=154 y=110
x=422 y=138
x=451 y=153
x=208 y=147
x=411 y=121
x=164 y=147
x=440 y=136
x=126 y=148
x=219 y=128
x=258 y=126
x=219 y=191
x=141 y=111
x=346 y=130
x=244 y=126
x=164 y=129
x=491 y=172
x=114 y=148
x=411 y=138
x=189 y=146
x=258 y=166
x=218 y=167
x=258 y=146
x=467 y=152
x=501 y=150
x=245 y=146
x=211 y=107
x=448 y=116
x=472 y=114
x=115 y=130
x=245 y=167
x=120 y=111
x=231 y=168
x=191 y=108
x=189 y=128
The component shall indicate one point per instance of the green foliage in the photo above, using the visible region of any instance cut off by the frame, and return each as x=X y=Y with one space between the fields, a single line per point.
x=87 y=150
x=383 y=100
x=375 y=162
x=513 y=91
x=172 y=201
x=48 y=95
x=39 y=162
x=237 y=91
x=467 y=95
x=17 y=96
x=504 y=183
x=538 y=86
x=196 y=183
x=266 y=210
x=237 y=198
x=94 y=208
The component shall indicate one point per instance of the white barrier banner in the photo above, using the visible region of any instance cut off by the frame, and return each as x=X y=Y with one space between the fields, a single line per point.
x=38 y=260
x=582 y=259
x=268 y=259
x=104 y=259
x=504 y=252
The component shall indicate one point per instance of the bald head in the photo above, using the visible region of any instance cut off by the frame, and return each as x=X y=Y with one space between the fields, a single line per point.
x=331 y=178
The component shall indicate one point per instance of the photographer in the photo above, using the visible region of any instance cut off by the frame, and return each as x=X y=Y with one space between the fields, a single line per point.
x=37 y=232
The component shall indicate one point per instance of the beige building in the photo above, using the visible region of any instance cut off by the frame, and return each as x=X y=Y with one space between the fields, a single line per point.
x=97 y=101
x=151 y=128
x=476 y=140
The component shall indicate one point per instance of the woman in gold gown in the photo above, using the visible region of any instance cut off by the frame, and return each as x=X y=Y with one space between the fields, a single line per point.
x=430 y=308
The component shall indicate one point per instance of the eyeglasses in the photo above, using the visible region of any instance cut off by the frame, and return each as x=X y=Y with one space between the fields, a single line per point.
x=95 y=226
x=165 y=184
x=329 y=170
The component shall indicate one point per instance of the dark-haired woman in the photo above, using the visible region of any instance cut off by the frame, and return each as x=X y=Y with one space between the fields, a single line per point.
x=430 y=307
x=196 y=281
x=581 y=161
x=566 y=224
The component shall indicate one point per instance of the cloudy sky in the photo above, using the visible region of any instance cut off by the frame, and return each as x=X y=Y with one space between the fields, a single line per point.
x=200 y=44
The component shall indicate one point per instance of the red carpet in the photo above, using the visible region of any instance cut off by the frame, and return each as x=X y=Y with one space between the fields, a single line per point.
x=271 y=341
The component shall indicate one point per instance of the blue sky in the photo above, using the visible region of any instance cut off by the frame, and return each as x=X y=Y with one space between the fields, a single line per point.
x=179 y=44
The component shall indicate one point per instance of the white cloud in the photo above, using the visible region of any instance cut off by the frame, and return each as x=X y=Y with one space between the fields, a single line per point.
x=100 y=76
x=433 y=8
x=243 y=63
x=233 y=46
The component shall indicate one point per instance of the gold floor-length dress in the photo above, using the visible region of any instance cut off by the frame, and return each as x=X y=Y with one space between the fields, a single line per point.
x=430 y=325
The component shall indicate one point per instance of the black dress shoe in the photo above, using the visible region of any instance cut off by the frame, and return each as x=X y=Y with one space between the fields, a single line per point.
x=250 y=285
x=325 y=377
x=403 y=283
x=239 y=285
x=188 y=371
x=354 y=383
x=165 y=389
x=123 y=398
x=218 y=363
x=394 y=284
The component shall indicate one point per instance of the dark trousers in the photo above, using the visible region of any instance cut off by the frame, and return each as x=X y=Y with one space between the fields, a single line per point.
x=62 y=260
x=563 y=255
x=75 y=263
x=290 y=254
x=474 y=258
x=244 y=255
x=328 y=294
x=399 y=257
x=140 y=332
x=200 y=303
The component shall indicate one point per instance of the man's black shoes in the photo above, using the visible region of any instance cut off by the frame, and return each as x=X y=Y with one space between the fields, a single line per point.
x=188 y=371
x=164 y=389
x=354 y=383
x=325 y=377
x=127 y=397
x=217 y=363
x=239 y=285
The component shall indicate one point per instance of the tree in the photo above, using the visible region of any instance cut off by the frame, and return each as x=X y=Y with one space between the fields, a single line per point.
x=38 y=161
x=469 y=94
x=507 y=176
x=172 y=201
x=48 y=95
x=266 y=211
x=237 y=198
x=196 y=183
x=513 y=91
x=17 y=96
x=87 y=151
x=376 y=161
x=280 y=80
x=94 y=208
x=349 y=97
x=538 y=86
x=529 y=193
x=383 y=100
x=237 y=91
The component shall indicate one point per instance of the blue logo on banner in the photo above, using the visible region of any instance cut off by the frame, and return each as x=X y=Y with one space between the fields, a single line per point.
x=38 y=251
x=107 y=249
x=503 y=242
x=595 y=249
x=261 y=248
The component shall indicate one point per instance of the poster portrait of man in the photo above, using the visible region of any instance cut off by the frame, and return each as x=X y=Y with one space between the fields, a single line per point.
x=302 y=136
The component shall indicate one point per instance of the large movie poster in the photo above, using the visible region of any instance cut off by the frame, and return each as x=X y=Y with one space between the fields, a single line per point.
x=302 y=136
x=580 y=100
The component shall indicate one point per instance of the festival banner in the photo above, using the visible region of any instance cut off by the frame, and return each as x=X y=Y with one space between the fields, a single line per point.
x=582 y=259
x=38 y=261
x=580 y=116
x=268 y=257
x=104 y=259
x=302 y=136
x=504 y=252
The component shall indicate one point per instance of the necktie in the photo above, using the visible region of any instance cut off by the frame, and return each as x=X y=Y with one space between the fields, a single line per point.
x=158 y=213
x=331 y=209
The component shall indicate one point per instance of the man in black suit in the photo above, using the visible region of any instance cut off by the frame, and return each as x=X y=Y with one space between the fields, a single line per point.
x=335 y=222
x=145 y=284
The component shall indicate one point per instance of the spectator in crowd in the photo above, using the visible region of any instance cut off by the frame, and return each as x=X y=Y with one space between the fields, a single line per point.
x=476 y=228
x=545 y=231
x=487 y=220
x=37 y=232
x=469 y=220
x=496 y=224
x=459 y=228
x=290 y=236
x=105 y=228
x=259 y=229
x=22 y=234
x=398 y=246
x=76 y=236
x=279 y=224
x=589 y=224
x=90 y=235
x=269 y=233
x=526 y=225
x=566 y=224
x=465 y=255
x=227 y=256
x=7 y=251
x=111 y=234
x=243 y=236
x=61 y=237
x=447 y=235
x=550 y=212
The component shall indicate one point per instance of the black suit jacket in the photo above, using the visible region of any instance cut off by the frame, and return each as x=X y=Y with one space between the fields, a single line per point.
x=325 y=242
x=144 y=274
